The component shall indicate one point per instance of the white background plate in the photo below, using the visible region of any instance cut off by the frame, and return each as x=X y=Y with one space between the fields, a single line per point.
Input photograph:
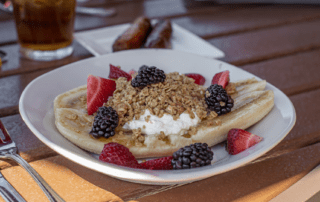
x=36 y=108
x=99 y=41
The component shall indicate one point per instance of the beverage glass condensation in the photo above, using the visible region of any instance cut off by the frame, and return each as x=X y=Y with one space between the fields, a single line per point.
x=45 y=28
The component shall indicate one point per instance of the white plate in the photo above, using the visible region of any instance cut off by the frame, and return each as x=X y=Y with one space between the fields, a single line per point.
x=99 y=41
x=36 y=108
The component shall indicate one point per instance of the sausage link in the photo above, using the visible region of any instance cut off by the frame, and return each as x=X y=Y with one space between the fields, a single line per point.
x=134 y=36
x=160 y=35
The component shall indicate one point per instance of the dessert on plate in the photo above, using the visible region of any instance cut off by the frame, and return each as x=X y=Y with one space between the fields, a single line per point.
x=154 y=114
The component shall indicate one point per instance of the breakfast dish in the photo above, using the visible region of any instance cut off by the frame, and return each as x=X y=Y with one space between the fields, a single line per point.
x=36 y=109
x=155 y=118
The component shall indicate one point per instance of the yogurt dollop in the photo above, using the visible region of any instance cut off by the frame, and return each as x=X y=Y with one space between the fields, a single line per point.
x=166 y=123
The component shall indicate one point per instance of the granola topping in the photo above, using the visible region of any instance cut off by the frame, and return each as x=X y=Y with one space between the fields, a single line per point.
x=176 y=95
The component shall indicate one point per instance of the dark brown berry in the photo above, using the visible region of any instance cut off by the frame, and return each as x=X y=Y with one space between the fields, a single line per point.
x=148 y=75
x=104 y=123
x=192 y=156
x=218 y=100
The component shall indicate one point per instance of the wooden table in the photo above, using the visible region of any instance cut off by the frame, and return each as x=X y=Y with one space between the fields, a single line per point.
x=279 y=43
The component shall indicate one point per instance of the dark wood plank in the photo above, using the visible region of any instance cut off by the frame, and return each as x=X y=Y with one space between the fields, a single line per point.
x=255 y=182
x=30 y=147
x=307 y=128
x=11 y=89
x=270 y=43
x=292 y=74
x=17 y=65
x=216 y=24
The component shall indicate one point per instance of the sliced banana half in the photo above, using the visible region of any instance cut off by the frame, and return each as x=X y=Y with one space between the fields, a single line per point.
x=251 y=104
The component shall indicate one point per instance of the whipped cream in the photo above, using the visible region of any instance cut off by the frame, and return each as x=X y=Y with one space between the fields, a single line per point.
x=166 y=123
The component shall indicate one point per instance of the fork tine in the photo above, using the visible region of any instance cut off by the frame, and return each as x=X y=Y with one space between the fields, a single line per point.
x=5 y=133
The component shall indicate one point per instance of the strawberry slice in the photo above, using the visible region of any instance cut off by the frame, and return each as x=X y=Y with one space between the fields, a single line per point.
x=132 y=71
x=116 y=72
x=98 y=91
x=163 y=163
x=118 y=154
x=239 y=140
x=221 y=78
x=198 y=78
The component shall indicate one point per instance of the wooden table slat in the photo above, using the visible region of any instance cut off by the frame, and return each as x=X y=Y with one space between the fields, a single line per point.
x=270 y=43
x=217 y=24
x=16 y=65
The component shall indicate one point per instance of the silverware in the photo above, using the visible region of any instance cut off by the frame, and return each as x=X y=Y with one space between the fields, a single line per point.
x=9 y=150
x=8 y=192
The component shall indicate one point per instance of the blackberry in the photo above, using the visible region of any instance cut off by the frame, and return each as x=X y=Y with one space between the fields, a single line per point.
x=218 y=100
x=192 y=156
x=104 y=123
x=148 y=75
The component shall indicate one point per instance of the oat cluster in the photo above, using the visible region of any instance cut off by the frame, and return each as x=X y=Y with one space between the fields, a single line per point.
x=177 y=94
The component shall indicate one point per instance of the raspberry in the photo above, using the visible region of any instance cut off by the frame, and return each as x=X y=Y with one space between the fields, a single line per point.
x=118 y=154
x=163 y=163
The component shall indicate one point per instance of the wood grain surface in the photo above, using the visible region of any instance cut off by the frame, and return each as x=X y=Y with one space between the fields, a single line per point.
x=279 y=43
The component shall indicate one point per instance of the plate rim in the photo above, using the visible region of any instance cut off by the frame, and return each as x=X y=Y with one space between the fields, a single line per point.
x=152 y=179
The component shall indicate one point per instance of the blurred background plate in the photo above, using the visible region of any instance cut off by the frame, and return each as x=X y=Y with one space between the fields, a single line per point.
x=99 y=41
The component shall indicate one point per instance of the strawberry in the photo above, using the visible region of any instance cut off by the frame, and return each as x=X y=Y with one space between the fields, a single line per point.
x=118 y=154
x=116 y=72
x=98 y=91
x=239 y=140
x=163 y=163
x=198 y=79
x=132 y=71
x=221 y=78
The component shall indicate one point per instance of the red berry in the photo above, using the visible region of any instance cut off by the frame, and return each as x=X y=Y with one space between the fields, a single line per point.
x=131 y=72
x=239 y=140
x=116 y=72
x=221 y=78
x=118 y=154
x=98 y=91
x=163 y=163
x=198 y=79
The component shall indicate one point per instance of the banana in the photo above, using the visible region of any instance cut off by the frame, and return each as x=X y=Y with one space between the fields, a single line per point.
x=251 y=104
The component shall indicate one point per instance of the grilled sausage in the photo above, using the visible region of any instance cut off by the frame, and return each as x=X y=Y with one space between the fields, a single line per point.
x=134 y=36
x=160 y=35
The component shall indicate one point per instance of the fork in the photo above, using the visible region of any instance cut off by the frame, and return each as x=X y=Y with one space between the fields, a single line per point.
x=8 y=192
x=9 y=150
